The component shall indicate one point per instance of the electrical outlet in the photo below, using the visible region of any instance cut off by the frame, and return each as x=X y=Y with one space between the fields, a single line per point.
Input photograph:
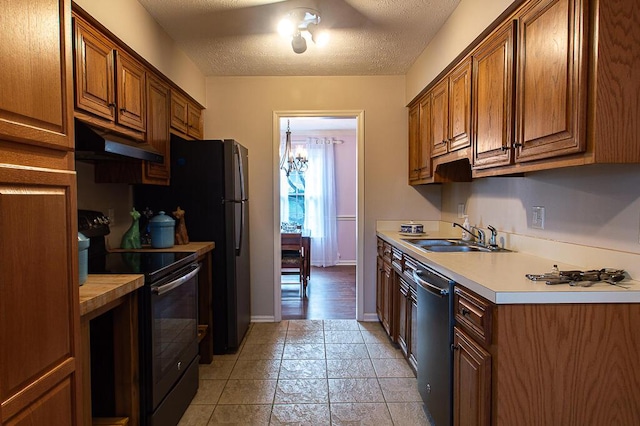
x=537 y=217
x=460 y=210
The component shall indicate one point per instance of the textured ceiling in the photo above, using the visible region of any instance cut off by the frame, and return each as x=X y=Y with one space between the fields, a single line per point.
x=239 y=37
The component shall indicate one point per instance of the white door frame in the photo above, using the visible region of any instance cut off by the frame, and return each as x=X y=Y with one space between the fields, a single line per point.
x=359 y=116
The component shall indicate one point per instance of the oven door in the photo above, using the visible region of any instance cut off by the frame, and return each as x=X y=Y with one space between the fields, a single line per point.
x=172 y=324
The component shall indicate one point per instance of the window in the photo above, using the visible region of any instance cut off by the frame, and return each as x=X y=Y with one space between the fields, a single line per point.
x=294 y=211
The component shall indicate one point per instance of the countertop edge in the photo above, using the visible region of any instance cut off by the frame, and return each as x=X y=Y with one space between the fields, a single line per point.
x=539 y=293
x=101 y=289
x=198 y=247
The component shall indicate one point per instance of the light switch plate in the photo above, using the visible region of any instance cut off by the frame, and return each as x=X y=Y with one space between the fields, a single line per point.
x=537 y=217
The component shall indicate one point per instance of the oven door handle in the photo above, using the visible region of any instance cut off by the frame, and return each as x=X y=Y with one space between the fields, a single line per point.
x=160 y=290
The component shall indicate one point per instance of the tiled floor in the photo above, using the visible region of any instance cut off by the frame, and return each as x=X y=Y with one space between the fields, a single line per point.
x=309 y=372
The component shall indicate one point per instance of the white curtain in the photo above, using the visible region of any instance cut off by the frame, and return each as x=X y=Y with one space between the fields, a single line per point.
x=320 y=204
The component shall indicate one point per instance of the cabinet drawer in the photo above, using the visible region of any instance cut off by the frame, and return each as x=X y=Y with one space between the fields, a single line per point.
x=410 y=265
x=473 y=314
x=396 y=259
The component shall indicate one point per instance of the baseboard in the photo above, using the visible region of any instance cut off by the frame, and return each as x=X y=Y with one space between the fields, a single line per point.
x=263 y=318
x=346 y=262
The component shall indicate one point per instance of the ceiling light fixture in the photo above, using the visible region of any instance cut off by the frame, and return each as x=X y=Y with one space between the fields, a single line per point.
x=301 y=22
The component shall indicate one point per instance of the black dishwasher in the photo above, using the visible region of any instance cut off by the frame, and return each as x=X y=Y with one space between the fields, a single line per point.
x=435 y=337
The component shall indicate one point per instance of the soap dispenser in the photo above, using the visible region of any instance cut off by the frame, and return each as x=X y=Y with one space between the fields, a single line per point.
x=465 y=234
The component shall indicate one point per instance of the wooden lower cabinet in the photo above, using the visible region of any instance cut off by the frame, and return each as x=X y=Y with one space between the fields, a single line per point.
x=413 y=330
x=471 y=382
x=385 y=289
x=546 y=364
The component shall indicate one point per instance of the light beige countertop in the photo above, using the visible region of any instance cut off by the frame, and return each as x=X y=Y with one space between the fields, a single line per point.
x=199 y=248
x=100 y=290
x=500 y=276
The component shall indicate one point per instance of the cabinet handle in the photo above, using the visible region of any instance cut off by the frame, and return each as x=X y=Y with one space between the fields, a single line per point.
x=454 y=347
x=443 y=143
x=123 y=110
x=111 y=105
x=505 y=148
x=517 y=145
x=465 y=312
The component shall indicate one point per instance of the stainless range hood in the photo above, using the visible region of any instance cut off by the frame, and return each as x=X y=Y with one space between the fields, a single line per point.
x=97 y=145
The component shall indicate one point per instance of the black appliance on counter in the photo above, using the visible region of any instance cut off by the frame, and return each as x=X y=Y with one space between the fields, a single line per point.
x=167 y=325
x=435 y=343
x=209 y=182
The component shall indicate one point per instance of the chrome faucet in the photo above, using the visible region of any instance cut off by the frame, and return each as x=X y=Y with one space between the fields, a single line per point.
x=494 y=234
x=479 y=236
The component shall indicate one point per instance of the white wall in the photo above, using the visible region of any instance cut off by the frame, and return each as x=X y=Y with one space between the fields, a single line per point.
x=131 y=23
x=243 y=107
x=467 y=22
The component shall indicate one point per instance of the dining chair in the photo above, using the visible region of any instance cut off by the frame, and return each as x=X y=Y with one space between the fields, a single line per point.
x=294 y=259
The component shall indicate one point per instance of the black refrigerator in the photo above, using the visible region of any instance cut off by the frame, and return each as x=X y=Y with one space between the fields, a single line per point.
x=209 y=182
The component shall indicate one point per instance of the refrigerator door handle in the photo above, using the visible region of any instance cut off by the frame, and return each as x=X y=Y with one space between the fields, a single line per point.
x=240 y=172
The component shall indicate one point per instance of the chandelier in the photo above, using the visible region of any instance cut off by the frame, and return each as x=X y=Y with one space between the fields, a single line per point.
x=290 y=162
x=301 y=24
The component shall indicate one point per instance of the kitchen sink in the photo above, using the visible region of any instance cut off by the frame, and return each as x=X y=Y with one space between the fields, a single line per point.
x=450 y=245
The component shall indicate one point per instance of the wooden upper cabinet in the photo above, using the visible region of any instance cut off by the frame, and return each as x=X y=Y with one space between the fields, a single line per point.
x=186 y=117
x=131 y=92
x=492 y=108
x=424 y=164
x=109 y=83
x=551 y=82
x=36 y=75
x=414 y=143
x=439 y=134
x=460 y=106
x=158 y=106
x=451 y=111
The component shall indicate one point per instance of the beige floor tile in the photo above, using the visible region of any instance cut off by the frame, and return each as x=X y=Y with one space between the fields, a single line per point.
x=248 y=392
x=261 y=351
x=300 y=414
x=383 y=350
x=303 y=369
x=241 y=415
x=391 y=367
x=302 y=391
x=229 y=357
x=220 y=369
x=408 y=414
x=346 y=350
x=343 y=336
x=400 y=389
x=209 y=391
x=375 y=336
x=341 y=325
x=364 y=414
x=355 y=390
x=370 y=325
x=269 y=326
x=304 y=351
x=256 y=369
x=267 y=336
x=305 y=336
x=350 y=368
x=197 y=415
x=305 y=325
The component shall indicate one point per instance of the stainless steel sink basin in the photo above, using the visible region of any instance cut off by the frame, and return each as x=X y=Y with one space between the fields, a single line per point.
x=450 y=245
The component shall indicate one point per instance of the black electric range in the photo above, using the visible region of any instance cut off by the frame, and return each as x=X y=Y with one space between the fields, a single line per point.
x=154 y=265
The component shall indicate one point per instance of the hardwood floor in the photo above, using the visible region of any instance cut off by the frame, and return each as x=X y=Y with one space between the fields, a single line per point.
x=331 y=294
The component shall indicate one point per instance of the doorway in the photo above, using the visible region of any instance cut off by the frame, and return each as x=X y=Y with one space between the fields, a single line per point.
x=324 y=128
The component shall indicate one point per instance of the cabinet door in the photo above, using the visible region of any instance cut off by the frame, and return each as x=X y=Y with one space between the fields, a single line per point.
x=39 y=301
x=460 y=106
x=94 y=76
x=425 y=144
x=493 y=64
x=179 y=118
x=387 y=297
x=194 y=121
x=131 y=92
x=414 y=143
x=551 y=89
x=439 y=118
x=379 y=286
x=36 y=74
x=471 y=382
x=158 y=105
